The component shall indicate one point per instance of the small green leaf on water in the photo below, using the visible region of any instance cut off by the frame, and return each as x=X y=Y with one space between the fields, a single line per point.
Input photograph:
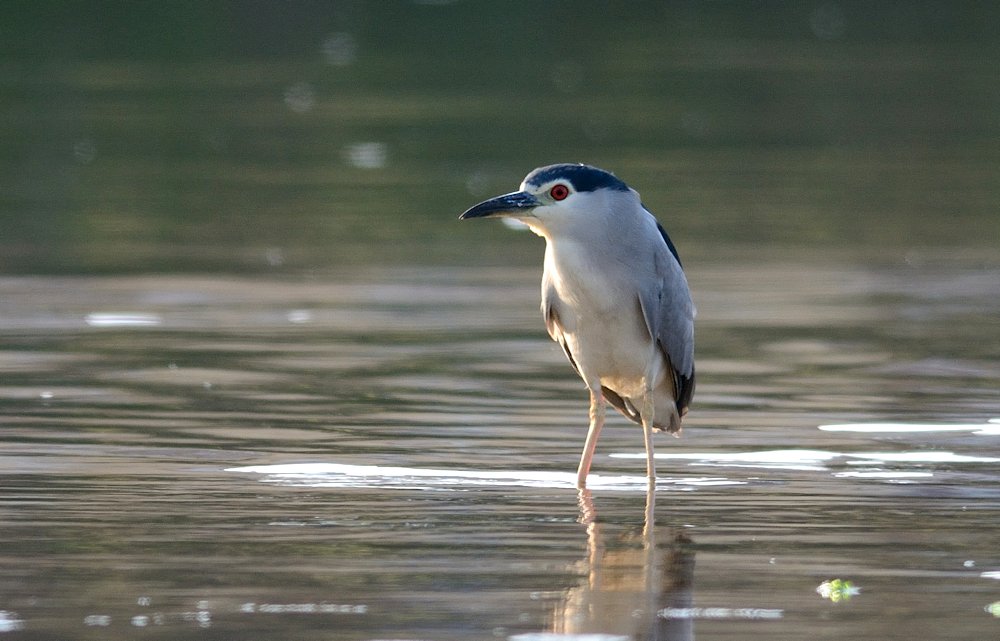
x=994 y=609
x=837 y=590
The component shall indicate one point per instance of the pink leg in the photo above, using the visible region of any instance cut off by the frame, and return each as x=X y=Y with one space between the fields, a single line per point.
x=647 y=437
x=597 y=410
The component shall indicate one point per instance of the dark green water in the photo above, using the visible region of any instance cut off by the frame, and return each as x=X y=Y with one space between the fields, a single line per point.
x=257 y=381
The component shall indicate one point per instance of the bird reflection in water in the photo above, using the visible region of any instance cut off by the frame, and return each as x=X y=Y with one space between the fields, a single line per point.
x=629 y=580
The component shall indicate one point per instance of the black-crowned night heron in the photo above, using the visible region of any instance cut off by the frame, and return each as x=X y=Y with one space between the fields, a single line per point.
x=614 y=296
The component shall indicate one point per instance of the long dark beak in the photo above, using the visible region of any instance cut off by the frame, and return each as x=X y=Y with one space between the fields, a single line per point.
x=517 y=203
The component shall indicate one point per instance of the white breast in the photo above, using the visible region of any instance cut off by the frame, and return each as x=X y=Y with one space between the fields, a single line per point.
x=603 y=325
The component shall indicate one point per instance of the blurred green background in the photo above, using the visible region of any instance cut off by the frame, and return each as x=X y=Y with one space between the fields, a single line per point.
x=246 y=136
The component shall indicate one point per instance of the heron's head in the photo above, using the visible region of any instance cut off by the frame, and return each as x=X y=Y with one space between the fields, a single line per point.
x=562 y=197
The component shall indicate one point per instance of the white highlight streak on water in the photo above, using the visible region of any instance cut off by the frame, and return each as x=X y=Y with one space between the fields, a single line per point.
x=989 y=428
x=341 y=475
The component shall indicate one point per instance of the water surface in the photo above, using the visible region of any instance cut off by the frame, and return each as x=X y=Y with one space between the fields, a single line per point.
x=391 y=456
x=258 y=382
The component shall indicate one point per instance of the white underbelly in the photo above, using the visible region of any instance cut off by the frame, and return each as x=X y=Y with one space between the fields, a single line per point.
x=617 y=351
x=602 y=324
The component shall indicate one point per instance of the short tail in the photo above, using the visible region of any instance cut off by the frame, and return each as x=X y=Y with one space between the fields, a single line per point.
x=673 y=423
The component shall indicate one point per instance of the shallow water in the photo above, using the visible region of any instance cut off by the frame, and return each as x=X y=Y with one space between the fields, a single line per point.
x=258 y=382
x=391 y=454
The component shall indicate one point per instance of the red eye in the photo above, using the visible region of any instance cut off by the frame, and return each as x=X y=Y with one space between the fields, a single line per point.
x=559 y=192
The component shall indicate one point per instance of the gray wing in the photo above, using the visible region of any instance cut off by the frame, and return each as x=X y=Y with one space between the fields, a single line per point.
x=669 y=314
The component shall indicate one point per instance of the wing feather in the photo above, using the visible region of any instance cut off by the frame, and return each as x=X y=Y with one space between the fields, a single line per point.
x=669 y=315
